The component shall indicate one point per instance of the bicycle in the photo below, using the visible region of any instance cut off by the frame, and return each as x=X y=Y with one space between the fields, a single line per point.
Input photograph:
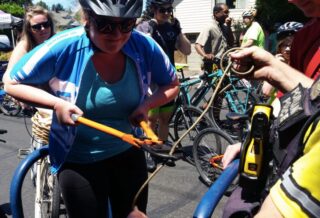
x=48 y=199
x=8 y=105
x=237 y=95
x=208 y=149
x=239 y=98
x=210 y=144
x=184 y=115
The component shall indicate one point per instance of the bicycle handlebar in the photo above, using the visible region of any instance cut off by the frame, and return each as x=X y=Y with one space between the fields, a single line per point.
x=144 y=143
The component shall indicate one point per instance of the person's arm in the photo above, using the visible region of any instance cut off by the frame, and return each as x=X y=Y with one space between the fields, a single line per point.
x=28 y=92
x=136 y=213
x=248 y=43
x=163 y=95
x=183 y=44
x=163 y=74
x=201 y=41
x=268 y=68
x=230 y=154
x=268 y=209
x=17 y=53
x=201 y=52
x=230 y=36
x=37 y=97
x=22 y=92
x=267 y=89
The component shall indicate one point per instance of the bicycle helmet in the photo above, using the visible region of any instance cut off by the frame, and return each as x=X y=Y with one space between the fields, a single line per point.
x=288 y=29
x=113 y=8
x=161 y=2
x=247 y=14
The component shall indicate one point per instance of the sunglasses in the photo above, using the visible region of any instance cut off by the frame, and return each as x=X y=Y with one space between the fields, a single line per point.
x=164 y=10
x=38 y=27
x=107 y=26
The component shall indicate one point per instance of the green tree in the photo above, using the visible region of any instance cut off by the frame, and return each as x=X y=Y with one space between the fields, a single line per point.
x=22 y=3
x=12 y=8
x=43 y=4
x=272 y=11
x=57 y=7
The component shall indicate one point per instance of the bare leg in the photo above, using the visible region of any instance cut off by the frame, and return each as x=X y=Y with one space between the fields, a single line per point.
x=164 y=118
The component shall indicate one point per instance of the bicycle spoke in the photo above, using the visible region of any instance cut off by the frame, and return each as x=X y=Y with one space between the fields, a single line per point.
x=209 y=143
x=184 y=119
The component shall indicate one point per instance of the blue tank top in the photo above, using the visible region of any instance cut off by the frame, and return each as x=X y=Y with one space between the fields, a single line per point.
x=110 y=104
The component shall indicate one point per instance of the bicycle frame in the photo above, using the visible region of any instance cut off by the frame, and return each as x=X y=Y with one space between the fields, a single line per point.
x=205 y=80
x=40 y=164
x=235 y=103
x=210 y=80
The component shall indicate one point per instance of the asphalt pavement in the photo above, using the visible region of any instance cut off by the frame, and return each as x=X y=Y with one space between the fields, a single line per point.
x=173 y=192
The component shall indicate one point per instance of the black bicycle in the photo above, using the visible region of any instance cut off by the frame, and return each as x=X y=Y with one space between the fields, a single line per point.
x=208 y=149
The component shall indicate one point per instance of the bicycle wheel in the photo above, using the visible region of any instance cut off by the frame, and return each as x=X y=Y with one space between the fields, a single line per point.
x=50 y=193
x=9 y=106
x=234 y=99
x=184 y=119
x=208 y=144
x=56 y=198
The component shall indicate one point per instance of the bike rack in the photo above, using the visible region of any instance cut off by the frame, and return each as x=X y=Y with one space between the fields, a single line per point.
x=212 y=197
x=18 y=178
x=204 y=209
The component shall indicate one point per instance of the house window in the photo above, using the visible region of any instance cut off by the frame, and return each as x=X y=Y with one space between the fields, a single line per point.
x=241 y=4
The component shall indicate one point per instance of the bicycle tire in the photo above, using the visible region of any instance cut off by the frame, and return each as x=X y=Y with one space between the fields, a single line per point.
x=9 y=106
x=50 y=194
x=184 y=118
x=209 y=143
x=44 y=189
x=56 y=198
x=222 y=106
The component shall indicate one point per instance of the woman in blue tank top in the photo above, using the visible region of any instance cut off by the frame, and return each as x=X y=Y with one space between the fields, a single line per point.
x=101 y=71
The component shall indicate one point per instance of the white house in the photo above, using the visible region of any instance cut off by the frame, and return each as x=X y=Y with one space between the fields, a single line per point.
x=195 y=14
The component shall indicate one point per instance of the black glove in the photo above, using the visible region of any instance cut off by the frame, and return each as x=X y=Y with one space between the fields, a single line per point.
x=176 y=25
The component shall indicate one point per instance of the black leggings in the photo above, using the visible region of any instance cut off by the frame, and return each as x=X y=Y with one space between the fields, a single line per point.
x=86 y=188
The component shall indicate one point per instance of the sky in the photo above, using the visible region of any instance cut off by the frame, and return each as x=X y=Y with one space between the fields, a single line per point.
x=72 y=4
